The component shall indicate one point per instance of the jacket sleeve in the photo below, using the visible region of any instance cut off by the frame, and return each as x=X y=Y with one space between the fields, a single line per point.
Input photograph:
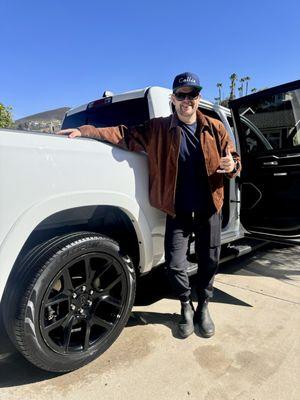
x=134 y=139
x=225 y=140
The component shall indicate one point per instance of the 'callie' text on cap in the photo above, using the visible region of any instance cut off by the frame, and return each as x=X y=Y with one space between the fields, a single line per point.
x=186 y=79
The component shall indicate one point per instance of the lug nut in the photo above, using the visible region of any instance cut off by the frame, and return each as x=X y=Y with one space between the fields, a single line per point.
x=74 y=295
x=89 y=303
x=83 y=288
x=72 y=307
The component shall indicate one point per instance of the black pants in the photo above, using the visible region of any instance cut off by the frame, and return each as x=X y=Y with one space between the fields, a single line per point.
x=207 y=247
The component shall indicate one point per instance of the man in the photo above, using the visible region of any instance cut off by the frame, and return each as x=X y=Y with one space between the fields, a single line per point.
x=188 y=153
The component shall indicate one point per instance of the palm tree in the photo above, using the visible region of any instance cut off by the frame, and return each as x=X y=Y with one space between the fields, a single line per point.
x=233 y=79
x=219 y=86
x=247 y=79
x=241 y=88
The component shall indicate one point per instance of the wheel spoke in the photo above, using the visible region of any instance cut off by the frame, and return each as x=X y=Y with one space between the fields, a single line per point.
x=87 y=336
x=112 y=300
x=89 y=273
x=97 y=273
x=57 y=323
x=67 y=280
x=58 y=298
x=68 y=325
x=113 y=283
x=103 y=294
x=105 y=268
x=101 y=322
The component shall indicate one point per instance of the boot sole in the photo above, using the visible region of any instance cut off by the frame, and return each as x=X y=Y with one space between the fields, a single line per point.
x=205 y=334
x=184 y=336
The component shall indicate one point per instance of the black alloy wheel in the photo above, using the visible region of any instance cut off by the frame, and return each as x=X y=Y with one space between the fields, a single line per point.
x=76 y=297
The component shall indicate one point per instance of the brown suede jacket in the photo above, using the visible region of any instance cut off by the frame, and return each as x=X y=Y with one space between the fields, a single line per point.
x=160 y=139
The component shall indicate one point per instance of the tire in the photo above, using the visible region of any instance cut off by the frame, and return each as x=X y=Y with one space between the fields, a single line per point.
x=69 y=300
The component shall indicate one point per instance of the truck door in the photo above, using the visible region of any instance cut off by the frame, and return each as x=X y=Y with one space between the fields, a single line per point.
x=268 y=125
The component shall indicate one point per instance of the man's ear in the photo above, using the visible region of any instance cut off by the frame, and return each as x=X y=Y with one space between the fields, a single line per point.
x=171 y=102
x=199 y=99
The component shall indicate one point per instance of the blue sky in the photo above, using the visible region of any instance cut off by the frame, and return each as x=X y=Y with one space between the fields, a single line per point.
x=65 y=53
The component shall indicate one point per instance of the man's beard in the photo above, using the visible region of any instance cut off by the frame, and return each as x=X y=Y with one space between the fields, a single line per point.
x=186 y=110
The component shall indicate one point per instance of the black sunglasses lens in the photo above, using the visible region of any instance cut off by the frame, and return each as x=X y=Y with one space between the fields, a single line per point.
x=195 y=94
x=189 y=96
x=180 y=96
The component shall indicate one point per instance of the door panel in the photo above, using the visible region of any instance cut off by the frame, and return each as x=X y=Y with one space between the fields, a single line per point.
x=268 y=124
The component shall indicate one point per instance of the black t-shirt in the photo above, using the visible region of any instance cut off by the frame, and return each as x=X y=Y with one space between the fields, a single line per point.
x=192 y=189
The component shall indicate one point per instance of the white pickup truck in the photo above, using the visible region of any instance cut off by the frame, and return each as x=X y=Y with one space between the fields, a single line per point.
x=77 y=227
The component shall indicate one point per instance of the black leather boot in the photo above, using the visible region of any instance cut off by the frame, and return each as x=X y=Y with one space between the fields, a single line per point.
x=186 y=323
x=203 y=320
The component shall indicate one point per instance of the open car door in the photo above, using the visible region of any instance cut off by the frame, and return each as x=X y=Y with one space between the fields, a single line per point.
x=268 y=126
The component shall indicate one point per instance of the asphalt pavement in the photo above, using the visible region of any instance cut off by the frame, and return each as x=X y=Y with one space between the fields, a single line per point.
x=255 y=354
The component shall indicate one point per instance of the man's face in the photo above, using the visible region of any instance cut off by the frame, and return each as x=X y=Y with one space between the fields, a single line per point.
x=186 y=107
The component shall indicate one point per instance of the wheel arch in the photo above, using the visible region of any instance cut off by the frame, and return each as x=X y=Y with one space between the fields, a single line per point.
x=64 y=214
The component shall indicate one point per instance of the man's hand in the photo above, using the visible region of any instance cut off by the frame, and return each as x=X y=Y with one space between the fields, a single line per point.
x=72 y=133
x=226 y=163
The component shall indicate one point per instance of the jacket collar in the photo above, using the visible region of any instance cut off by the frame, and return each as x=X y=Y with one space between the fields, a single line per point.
x=200 y=118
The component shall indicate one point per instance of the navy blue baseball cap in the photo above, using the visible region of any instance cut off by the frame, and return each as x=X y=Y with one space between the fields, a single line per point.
x=186 y=79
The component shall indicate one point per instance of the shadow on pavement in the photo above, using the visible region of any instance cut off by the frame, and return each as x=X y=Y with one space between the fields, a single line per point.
x=146 y=318
x=171 y=320
x=155 y=287
x=273 y=260
x=15 y=370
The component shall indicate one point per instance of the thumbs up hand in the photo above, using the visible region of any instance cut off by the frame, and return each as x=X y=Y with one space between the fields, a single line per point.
x=226 y=163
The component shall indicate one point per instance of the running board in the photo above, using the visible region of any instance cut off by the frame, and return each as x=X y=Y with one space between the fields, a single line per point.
x=229 y=252
x=234 y=251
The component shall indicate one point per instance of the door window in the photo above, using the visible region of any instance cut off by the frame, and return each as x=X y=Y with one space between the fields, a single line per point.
x=255 y=141
x=271 y=122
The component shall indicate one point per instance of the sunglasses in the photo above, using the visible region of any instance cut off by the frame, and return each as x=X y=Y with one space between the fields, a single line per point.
x=180 y=96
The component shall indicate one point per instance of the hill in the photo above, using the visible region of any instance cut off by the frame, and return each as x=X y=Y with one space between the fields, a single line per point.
x=46 y=121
